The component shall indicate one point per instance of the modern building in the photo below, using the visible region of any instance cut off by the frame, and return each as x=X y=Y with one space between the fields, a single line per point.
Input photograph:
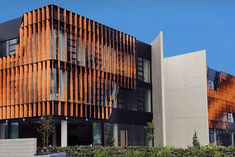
x=102 y=86
x=94 y=80
x=221 y=107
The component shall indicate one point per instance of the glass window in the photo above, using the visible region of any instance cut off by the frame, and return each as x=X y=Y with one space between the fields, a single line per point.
x=230 y=117
x=223 y=138
x=12 y=49
x=11 y=46
x=4 y=130
x=211 y=135
x=131 y=135
x=108 y=135
x=138 y=100
x=97 y=133
x=62 y=84
x=147 y=100
x=140 y=68
x=54 y=81
x=211 y=85
x=3 y=49
x=143 y=70
x=54 y=44
x=144 y=100
x=127 y=99
x=14 y=131
x=8 y=47
x=146 y=70
x=13 y=41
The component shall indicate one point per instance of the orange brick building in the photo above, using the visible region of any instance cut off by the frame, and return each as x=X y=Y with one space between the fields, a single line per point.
x=221 y=107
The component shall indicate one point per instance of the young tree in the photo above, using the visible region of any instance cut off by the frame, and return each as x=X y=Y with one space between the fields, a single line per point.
x=149 y=128
x=196 y=142
x=108 y=135
x=45 y=129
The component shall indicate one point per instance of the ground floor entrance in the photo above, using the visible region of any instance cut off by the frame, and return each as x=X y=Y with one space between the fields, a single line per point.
x=222 y=137
x=72 y=132
x=79 y=134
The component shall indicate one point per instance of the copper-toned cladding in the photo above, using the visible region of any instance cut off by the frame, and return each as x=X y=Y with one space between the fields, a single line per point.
x=76 y=67
x=70 y=60
x=96 y=62
x=221 y=101
x=81 y=69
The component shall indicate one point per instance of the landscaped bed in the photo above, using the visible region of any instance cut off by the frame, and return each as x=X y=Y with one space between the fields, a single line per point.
x=87 y=151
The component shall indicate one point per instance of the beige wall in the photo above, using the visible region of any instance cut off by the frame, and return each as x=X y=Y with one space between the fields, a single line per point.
x=158 y=92
x=179 y=89
x=185 y=90
x=24 y=147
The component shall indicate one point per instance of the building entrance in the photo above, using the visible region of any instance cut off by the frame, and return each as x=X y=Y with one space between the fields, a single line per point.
x=79 y=133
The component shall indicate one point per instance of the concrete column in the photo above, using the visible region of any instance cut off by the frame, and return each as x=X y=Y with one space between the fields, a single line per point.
x=64 y=133
x=215 y=140
x=115 y=134
x=232 y=136
x=158 y=92
x=115 y=103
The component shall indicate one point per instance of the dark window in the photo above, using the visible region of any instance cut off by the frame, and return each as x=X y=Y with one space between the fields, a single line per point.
x=211 y=85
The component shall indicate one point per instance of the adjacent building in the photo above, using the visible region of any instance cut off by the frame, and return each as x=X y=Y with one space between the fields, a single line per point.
x=221 y=107
x=101 y=86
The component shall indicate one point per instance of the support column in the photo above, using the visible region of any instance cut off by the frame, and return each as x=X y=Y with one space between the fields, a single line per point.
x=115 y=103
x=115 y=134
x=64 y=133
x=232 y=136
x=215 y=140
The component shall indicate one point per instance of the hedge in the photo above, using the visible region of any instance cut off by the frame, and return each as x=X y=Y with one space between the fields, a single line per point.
x=87 y=151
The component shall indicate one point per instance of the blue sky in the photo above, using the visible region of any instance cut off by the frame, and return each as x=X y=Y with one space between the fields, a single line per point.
x=188 y=25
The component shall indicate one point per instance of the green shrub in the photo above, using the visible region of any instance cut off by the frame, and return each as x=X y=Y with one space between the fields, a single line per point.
x=196 y=142
x=161 y=152
x=87 y=151
x=149 y=129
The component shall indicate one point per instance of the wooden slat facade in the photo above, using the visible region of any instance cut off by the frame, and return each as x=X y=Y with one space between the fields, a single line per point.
x=65 y=65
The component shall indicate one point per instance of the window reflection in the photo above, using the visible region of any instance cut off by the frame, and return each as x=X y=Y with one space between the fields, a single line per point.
x=8 y=47
x=138 y=100
x=143 y=69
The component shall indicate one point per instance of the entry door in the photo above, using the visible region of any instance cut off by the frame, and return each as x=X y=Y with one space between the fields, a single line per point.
x=123 y=138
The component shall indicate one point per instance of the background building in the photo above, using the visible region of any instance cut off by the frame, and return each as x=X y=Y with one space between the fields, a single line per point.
x=221 y=107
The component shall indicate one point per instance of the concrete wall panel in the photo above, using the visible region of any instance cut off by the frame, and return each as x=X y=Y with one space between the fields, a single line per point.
x=18 y=147
x=158 y=91
x=186 y=99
